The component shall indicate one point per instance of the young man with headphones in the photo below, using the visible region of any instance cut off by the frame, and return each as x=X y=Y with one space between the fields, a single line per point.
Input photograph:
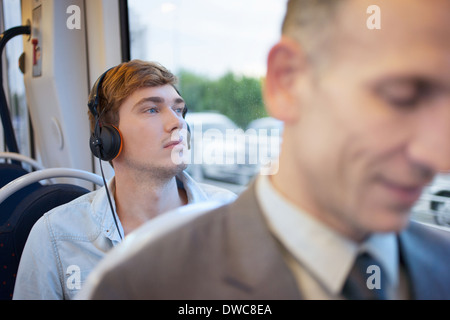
x=137 y=123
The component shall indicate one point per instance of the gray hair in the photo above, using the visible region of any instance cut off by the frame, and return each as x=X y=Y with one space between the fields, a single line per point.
x=309 y=23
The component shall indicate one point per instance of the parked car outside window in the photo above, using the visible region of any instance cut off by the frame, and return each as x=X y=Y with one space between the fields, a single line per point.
x=434 y=203
x=266 y=133
x=218 y=149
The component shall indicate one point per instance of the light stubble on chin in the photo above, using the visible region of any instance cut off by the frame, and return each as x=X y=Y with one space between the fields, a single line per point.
x=145 y=172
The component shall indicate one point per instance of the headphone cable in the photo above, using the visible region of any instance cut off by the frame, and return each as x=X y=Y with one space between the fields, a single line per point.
x=108 y=196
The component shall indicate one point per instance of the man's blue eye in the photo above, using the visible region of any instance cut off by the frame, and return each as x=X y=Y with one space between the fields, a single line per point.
x=179 y=110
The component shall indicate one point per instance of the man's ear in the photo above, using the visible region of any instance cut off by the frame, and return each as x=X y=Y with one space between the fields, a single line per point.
x=285 y=63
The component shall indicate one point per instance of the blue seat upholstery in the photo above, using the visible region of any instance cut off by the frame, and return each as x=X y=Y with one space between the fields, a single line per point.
x=23 y=200
x=17 y=224
x=8 y=173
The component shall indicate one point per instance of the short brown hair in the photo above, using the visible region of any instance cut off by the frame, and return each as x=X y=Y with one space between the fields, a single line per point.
x=309 y=23
x=122 y=81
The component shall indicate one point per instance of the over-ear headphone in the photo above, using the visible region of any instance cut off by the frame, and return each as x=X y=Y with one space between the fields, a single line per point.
x=106 y=141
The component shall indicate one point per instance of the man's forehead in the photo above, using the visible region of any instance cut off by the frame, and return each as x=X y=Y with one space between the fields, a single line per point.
x=397 y=18
x=164 y=94
x=406 y=26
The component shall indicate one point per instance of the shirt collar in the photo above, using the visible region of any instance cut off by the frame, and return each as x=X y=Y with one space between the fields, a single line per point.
x=193 y=191
x=384 y=248
x=101 y=209
x=324 y=253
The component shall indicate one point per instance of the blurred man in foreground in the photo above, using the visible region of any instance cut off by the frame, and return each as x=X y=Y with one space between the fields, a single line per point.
x=366 y=117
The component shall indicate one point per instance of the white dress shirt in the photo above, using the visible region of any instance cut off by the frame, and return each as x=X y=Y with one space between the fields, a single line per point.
x=319 y=257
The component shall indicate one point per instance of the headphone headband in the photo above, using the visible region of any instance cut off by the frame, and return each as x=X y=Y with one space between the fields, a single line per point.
x=93 y=102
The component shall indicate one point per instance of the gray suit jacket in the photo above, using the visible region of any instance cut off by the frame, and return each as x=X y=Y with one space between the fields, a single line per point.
x=230 y=254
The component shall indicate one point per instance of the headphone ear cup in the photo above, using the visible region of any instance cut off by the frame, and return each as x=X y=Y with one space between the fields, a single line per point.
x=108 y=145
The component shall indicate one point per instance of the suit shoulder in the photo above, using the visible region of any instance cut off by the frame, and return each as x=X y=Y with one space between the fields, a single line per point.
x=436 y=239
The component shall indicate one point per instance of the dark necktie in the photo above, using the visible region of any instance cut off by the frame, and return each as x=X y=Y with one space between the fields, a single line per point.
x=366 y=281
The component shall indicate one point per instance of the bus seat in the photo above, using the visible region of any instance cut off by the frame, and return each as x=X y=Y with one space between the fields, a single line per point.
x=20 y=158
x=17 y=221
x=8 y=173
x=14 y=232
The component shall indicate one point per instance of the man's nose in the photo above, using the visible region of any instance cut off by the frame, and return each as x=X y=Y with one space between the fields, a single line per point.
x=431 y=142
x=173 y=120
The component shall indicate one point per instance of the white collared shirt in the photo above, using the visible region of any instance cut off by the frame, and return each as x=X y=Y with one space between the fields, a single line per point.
x=319 y=257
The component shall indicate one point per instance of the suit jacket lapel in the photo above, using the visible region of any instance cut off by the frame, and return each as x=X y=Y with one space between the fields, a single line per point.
x=259 y=267
x=422 y=258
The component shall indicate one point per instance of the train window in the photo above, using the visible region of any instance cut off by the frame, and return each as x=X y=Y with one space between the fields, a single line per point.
x=218 y=50
x=13 y=84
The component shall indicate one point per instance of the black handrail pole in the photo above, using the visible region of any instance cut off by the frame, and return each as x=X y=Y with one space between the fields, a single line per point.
x=8 y=129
